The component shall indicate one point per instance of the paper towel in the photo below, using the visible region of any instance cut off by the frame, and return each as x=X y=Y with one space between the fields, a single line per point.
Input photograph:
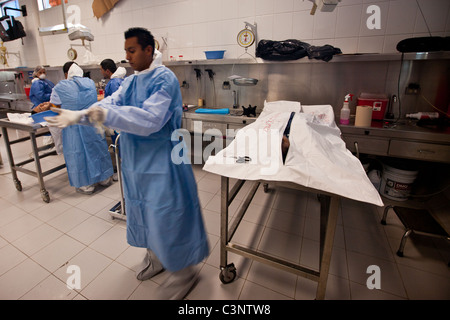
x=363 y=116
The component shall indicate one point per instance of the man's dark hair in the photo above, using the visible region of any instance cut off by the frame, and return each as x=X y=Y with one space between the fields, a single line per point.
x=145 y=38
x=67 y=66
x=109 y=64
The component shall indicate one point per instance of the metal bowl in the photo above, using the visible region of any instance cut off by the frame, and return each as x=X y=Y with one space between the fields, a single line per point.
x=245 y=81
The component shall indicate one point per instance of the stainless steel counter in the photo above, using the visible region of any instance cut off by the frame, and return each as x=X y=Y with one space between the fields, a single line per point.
x=404 y=140
x=234 y=117
x=225 y=124
x=405 y=129
x=12 y=96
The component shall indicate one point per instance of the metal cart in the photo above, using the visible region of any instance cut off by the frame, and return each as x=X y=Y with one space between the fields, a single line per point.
x=34 y=131
x=118 y=210
x=418 y=221
x=328 y=219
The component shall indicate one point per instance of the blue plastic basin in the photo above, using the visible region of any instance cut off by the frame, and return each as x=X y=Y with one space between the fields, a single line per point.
x=218 y=54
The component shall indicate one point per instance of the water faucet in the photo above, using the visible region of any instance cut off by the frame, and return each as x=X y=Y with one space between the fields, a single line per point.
x=235 y=99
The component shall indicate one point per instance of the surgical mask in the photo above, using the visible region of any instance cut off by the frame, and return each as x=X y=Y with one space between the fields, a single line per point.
x=42 y=76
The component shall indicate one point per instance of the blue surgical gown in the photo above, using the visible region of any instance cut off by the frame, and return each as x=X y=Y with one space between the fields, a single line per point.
x=112 y=86
x=161 y=200
x=85 y=151
x=40 y=91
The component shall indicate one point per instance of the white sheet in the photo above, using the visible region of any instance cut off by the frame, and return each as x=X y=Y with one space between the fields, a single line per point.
x=317 y=156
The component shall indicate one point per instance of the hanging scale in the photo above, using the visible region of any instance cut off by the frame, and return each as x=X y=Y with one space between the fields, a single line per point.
x=246 y=38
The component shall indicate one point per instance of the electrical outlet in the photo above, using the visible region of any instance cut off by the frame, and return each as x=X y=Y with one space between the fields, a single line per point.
x=226 y=85
x=412 y=89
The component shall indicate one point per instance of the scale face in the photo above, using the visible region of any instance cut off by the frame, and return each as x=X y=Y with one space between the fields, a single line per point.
x=72 y=54
x=246 y=38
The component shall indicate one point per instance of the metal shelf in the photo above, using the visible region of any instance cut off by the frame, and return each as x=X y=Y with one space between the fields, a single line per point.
x=356 y=57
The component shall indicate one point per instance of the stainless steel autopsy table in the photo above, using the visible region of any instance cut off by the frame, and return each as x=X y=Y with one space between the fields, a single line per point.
x=329 y=205
x=34 y=131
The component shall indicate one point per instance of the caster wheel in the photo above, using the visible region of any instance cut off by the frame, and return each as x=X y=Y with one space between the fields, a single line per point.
x=45 y=197
x=228 y=274
x=18 y=185
x=400 y=254
x=266 y=187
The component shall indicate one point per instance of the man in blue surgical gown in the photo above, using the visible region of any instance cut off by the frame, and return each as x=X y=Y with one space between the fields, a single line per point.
x=161 y=200
x=115 y=75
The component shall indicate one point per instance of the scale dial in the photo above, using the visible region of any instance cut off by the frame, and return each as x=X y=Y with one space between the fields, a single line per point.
x=72 y=54
x=246 y=38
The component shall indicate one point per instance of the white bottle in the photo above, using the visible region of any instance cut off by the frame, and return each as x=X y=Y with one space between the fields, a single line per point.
x=345 y=111
x=423 y=115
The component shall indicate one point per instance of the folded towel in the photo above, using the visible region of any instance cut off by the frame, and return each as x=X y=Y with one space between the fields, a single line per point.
x=213 y=111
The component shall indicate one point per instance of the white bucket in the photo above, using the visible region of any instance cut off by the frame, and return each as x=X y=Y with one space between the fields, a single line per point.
x=396 y=184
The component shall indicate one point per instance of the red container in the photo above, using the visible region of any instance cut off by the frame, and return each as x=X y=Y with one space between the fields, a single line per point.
x=378 y=105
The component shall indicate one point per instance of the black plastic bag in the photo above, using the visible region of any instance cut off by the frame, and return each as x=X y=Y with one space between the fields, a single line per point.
x=282 y=50
x=324 y=53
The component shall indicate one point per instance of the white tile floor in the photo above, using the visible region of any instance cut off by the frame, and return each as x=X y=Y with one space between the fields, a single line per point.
x=39 y=241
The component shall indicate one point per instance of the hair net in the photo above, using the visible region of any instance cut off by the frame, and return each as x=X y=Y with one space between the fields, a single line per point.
x=36 y=70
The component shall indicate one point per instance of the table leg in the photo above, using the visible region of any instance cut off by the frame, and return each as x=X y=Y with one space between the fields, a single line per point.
x=37 y=161
x=224 y=221
x=17 y=182
x=328 y=219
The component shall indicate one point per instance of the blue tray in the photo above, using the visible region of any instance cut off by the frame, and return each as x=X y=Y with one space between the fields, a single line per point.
x=213 y=111
x=39 y=117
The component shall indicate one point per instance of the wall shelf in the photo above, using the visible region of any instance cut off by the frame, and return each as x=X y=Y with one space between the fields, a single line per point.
x=357 y=57
x=363 y=57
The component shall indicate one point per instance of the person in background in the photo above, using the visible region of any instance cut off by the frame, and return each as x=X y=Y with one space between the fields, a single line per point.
x=114 y=74
x=161 y=199
x=85 y=151
x=40 y=91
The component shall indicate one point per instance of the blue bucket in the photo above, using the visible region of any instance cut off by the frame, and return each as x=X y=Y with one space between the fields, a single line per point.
x=218 y=54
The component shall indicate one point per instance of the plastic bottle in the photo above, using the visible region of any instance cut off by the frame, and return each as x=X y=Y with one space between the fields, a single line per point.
x=423 y=115
x=345 y=111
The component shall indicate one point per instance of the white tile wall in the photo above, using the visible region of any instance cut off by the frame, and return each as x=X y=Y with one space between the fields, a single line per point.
x=192 y=26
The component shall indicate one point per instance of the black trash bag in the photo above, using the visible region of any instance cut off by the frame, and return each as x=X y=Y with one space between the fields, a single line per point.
x=290 y=49
x=324 y=53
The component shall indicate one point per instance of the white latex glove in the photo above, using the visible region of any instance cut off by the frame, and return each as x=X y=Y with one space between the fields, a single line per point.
x=65 y=117
x=97 y=114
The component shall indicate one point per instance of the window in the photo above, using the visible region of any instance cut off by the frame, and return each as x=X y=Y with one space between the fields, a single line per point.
x=10 y=4
x=47 y=4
